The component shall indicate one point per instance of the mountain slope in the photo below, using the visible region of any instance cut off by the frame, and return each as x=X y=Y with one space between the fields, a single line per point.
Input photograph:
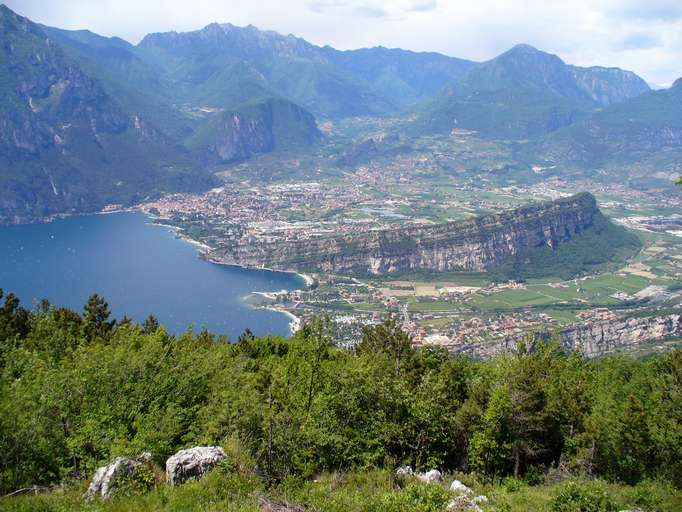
x=525 y=93
x=261 y=127
x=65 y=144
x=124 y=75
x=642 y=126
x=217 y=64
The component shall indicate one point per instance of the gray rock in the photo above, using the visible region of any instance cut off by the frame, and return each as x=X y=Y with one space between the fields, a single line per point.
x=463 y=503
x=460 y=488
x=430 y=476
x=104 y=479
x=404 y=471
x=192 y=462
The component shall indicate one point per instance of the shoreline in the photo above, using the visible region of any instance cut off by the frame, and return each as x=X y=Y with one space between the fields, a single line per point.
x=203 y=252
x=179 y=234
x=295 y=323
x=308 y=280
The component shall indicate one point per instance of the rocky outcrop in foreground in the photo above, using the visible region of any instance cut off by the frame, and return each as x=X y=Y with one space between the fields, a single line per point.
x=465 y=498
x=192 y=462
x=105 y=478
x=476 y=245
x=594 y=338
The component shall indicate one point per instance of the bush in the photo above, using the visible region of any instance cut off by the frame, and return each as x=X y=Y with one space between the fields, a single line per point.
x=417 y=497
x=583 y=497
x=141 y=480
x=512 y=484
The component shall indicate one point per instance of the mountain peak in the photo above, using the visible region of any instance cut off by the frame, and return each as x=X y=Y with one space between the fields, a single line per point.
x=524 y=48
x=527 y=55
x=677 y=84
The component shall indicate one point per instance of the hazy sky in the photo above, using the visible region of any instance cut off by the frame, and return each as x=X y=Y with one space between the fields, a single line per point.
x=642 y=35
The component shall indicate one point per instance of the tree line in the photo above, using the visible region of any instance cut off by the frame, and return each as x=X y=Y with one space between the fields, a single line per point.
x=77 y=389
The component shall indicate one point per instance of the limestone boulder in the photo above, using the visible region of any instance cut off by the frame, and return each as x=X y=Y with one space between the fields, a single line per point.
x=404 y=471
x=432 y=476
x=459 y=488
x=192 y=462
x=104 y=480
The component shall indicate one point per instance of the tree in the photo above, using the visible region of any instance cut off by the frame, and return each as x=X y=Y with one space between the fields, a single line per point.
x=150 y=325
x=96 y=323
x=386 y=339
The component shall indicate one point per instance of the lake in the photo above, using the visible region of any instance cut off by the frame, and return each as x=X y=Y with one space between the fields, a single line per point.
x=140 y=269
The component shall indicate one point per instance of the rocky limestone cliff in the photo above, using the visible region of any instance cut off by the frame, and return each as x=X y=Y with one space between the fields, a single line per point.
x=594 y=338
x=608 y=85
x=262 y=127
x=66 y=144
x=470 y=245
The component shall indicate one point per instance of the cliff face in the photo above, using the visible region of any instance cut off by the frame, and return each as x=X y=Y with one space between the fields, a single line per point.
x=471 y=245
x=594 y=339
x=258 y=128
x=66 y=144
x=608 y=85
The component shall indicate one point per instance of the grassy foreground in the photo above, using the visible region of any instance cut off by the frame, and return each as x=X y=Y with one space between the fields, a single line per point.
x=373 y=490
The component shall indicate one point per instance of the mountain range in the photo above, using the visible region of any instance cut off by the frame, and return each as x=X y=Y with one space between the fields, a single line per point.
x=91 y=120
x=526 y=93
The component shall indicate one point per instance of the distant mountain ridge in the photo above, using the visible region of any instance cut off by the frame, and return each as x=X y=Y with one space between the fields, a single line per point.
x=90 y=120
x=526 y=93
x=647 y=124
x=329 y=82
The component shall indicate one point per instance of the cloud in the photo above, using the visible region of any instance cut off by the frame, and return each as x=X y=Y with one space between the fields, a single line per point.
x=373 y=8
x=638 y=41
x=651 y=10
x=424 y=6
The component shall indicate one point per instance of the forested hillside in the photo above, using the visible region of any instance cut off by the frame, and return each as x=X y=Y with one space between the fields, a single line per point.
x=77 y=390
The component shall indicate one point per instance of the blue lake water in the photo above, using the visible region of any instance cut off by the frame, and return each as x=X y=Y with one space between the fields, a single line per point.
x=140 y=269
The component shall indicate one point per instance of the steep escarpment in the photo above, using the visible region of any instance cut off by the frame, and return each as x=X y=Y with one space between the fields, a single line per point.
x=472 y=245
x=66 y=144
x=261 y=127
x=594 y=338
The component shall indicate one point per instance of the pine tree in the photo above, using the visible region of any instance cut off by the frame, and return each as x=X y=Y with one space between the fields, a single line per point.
x=96 y=323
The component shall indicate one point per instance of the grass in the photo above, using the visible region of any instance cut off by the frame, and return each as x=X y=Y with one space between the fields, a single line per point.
x=363 y=491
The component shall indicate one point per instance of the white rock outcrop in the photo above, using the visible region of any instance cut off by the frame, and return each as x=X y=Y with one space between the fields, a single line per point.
x=192 y=462
x=104 y=480
x=430 y=476
x=459 y=488
x=404 y=471
x=463 y=503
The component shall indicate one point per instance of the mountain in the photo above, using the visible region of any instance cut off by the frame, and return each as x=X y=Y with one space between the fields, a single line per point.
x=262 y=127
x=525 y=93
x=223 y=66
x=403 y=77
x=65 y=143
x=562 y=237
x=606 y=86
x=649 y=124
x=124 y=75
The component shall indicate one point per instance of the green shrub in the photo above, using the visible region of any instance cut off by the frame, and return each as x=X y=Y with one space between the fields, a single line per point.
x=512 y=484
x=417 y=497
x=583 y=497
x=140 y=481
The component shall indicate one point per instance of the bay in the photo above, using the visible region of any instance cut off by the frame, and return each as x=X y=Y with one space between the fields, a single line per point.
x=140 y=269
